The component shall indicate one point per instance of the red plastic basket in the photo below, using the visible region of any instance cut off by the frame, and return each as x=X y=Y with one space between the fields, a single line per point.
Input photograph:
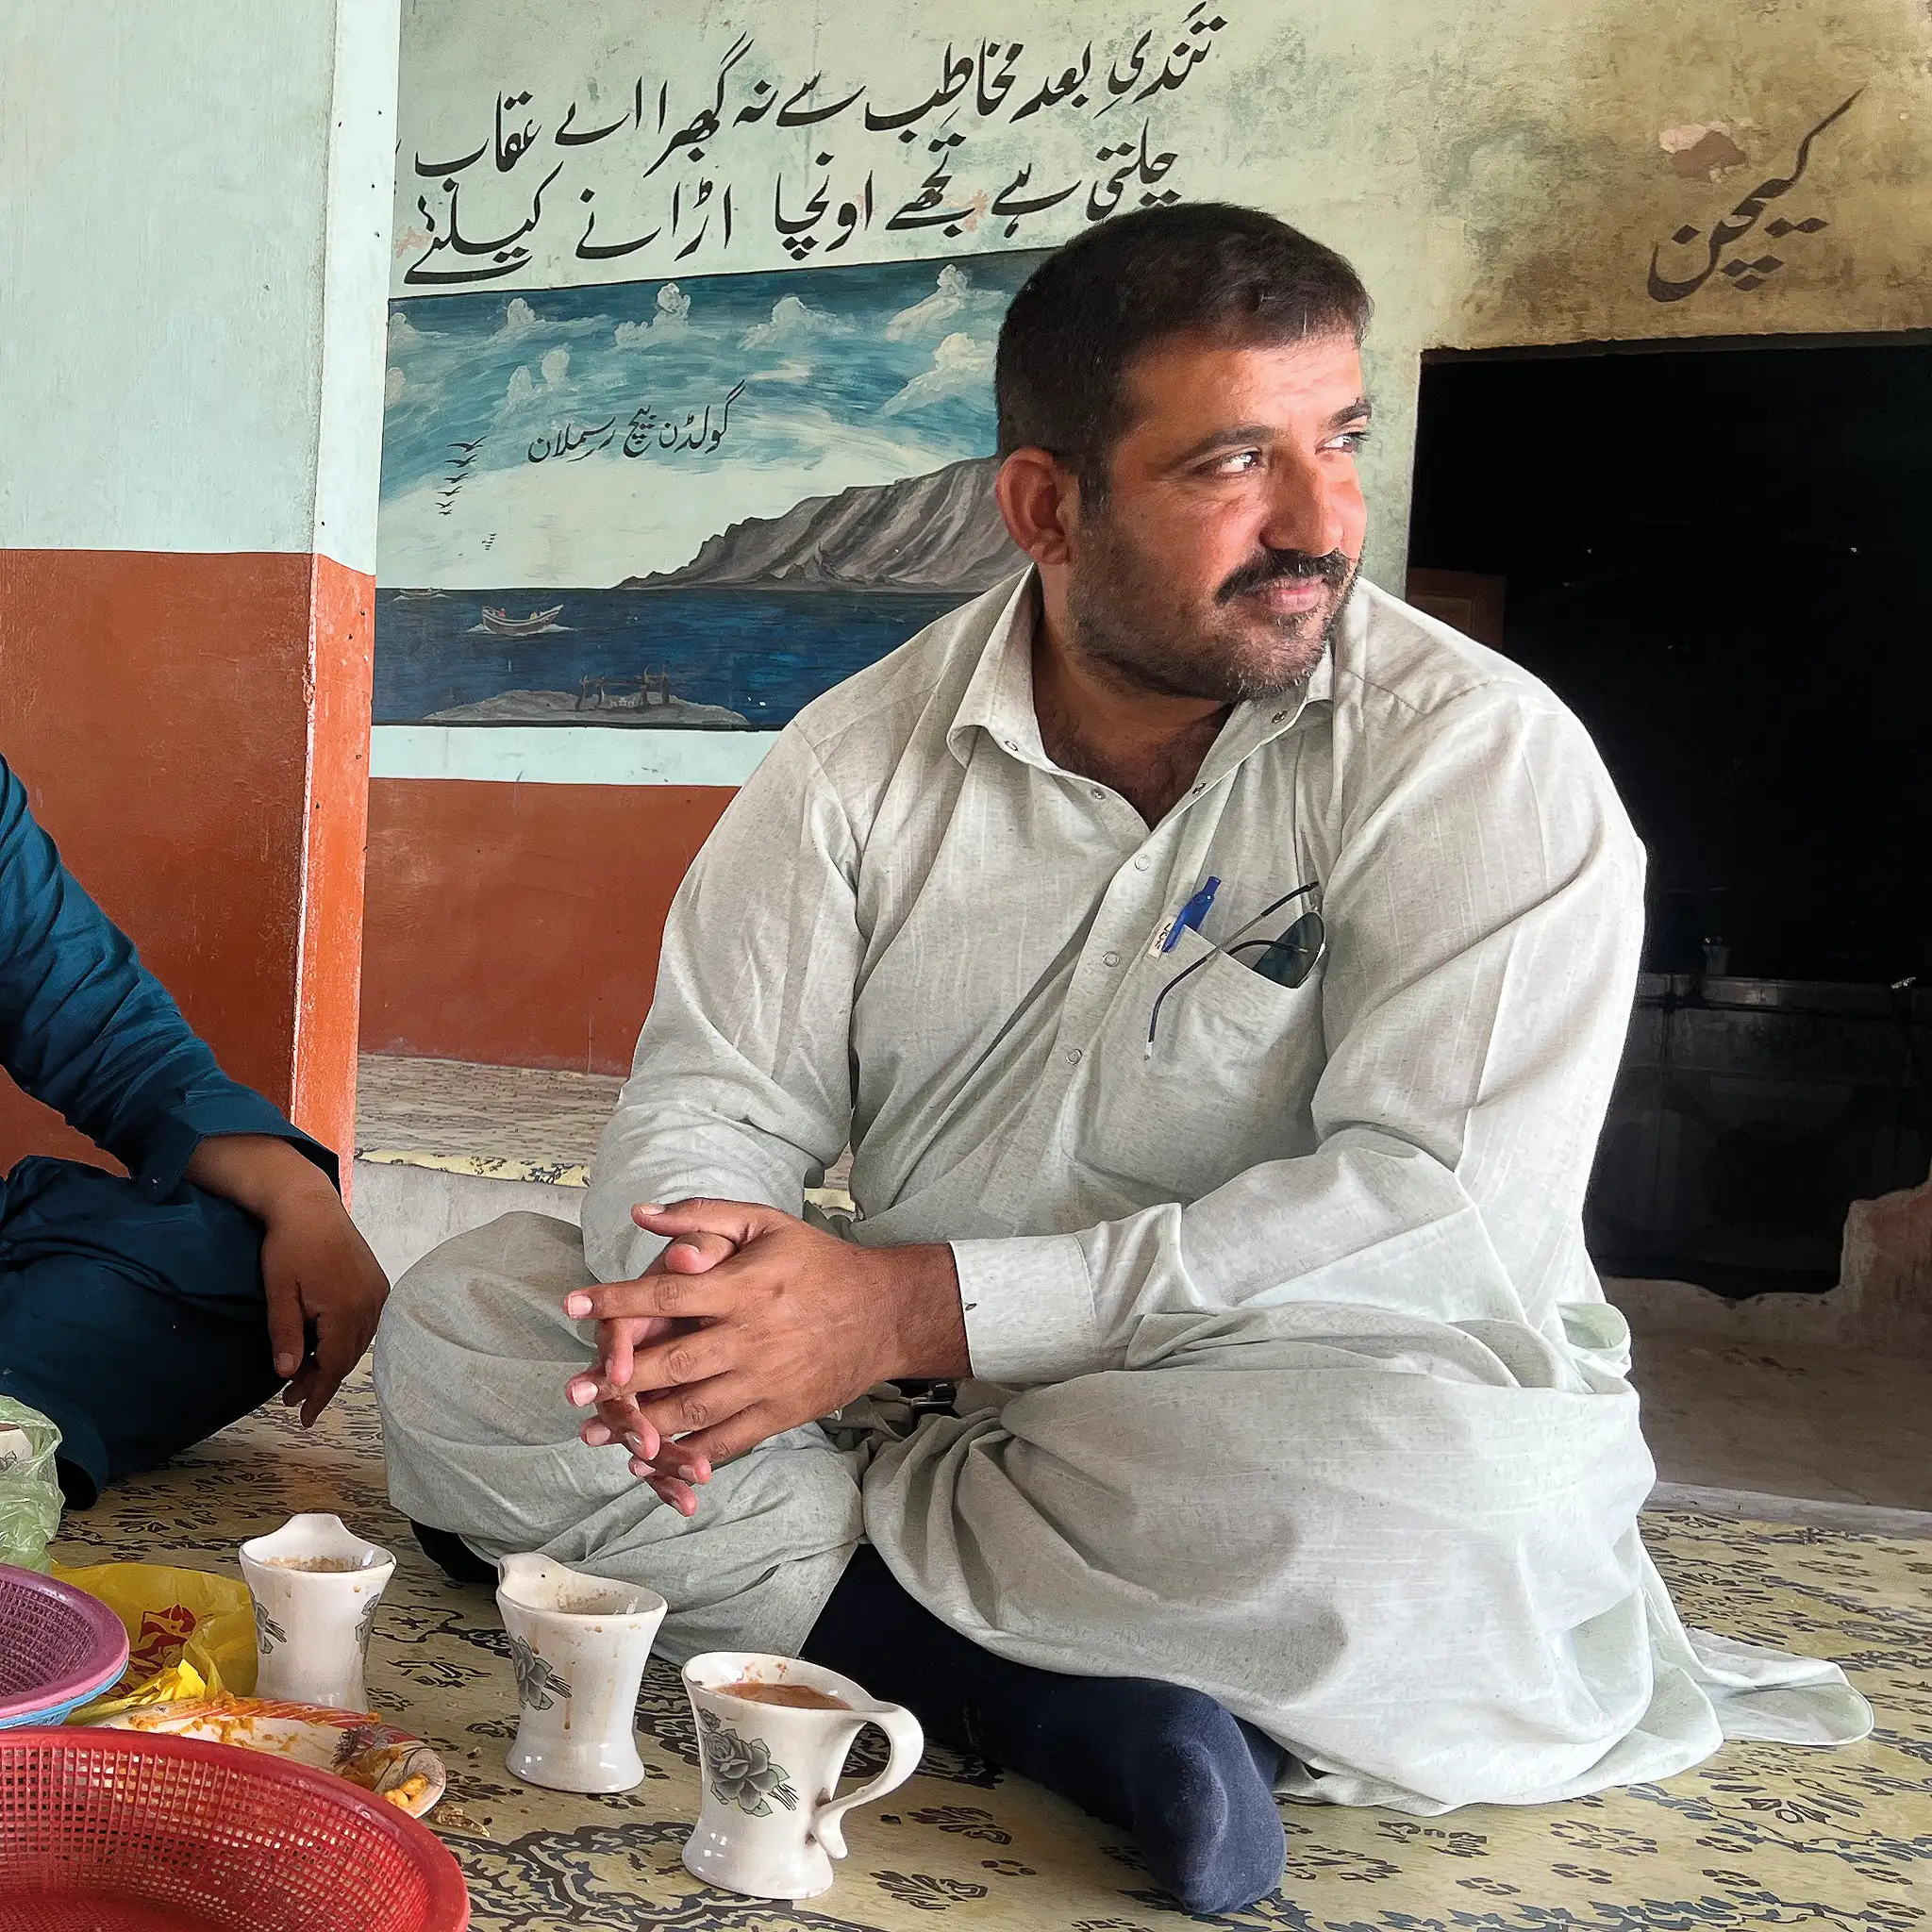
x=113 y=1831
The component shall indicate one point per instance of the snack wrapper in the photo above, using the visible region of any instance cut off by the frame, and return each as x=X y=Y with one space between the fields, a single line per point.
x=189 y=1634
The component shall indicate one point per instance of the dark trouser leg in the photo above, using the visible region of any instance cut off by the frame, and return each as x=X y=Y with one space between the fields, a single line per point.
x=1191 y=1782
x=453 y=1556
x=140 y=1327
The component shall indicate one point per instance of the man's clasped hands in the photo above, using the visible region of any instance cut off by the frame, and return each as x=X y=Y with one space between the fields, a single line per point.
x=748 y=1324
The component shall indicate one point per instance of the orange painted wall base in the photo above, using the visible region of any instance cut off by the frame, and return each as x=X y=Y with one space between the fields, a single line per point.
x=519 y=924
x=159 y=708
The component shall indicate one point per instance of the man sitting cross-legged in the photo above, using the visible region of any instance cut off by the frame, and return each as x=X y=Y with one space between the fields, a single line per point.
x=1292 y=1448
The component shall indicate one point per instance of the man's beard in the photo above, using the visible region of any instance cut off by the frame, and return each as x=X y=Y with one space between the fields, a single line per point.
x=1127 y=618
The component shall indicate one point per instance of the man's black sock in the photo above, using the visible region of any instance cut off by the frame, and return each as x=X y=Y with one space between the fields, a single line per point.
x=1189 y=1781
x=454 y=1556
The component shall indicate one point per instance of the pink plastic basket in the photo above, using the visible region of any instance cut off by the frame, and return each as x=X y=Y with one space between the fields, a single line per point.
x=58 y=1647
x=114 y=1831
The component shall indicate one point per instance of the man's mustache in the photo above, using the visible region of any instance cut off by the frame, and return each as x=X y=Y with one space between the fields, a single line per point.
x=1333 y=569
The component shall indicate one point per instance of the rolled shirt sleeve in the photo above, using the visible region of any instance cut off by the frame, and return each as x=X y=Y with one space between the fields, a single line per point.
x=87 y=1030
x=1032 y=1314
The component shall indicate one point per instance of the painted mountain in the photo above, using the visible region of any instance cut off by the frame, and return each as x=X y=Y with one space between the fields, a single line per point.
x=939 y=533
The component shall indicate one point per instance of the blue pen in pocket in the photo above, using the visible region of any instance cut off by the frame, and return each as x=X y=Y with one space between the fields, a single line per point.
x=1191 y=915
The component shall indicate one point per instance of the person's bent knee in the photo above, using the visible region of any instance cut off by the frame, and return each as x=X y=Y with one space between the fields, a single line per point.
x=517 y=1260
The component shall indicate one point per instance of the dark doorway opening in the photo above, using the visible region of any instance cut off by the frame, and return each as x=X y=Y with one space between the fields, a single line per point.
x=1715 y=553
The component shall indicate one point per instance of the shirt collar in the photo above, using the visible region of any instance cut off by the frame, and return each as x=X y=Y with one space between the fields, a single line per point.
x=999 y=696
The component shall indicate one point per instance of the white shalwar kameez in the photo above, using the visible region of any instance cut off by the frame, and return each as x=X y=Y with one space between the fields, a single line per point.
x=1294 y=1381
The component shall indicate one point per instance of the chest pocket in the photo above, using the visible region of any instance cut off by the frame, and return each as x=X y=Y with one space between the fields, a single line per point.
x=1229 y=1082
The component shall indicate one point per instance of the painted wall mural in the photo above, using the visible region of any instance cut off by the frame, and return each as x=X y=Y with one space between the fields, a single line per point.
x=651 y=278
x=690 y=504
x=689 y=407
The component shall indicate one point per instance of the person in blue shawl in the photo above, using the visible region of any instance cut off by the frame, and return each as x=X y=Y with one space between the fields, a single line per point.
x=143 y=1313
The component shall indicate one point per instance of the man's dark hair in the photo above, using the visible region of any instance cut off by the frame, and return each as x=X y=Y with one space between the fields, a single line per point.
x=1233 y=275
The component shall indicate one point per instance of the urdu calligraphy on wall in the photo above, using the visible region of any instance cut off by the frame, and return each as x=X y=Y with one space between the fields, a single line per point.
x=631 y=174
x=1714 y=251
x=645 y=435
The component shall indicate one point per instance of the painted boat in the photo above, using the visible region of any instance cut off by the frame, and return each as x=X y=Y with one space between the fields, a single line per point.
x=500 y=624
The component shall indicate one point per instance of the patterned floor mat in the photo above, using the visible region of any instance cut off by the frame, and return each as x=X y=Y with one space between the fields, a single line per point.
x=1763 y=1835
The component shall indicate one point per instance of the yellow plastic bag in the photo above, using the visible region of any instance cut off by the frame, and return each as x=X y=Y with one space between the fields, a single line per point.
x=189 y=1634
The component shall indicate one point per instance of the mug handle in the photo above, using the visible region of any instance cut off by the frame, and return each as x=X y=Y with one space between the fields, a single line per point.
x=905 y=1742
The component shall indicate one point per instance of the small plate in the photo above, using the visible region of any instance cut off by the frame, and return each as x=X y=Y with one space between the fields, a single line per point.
x=369 y=1753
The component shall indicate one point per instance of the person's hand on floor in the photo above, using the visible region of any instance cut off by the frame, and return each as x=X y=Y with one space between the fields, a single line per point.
x=316 y=1268
x=791 y=1328
x=608 y=1382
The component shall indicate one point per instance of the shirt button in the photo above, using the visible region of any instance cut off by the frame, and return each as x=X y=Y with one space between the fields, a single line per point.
x=1109 y=958
x=1073 y=1055
x=1141 y=861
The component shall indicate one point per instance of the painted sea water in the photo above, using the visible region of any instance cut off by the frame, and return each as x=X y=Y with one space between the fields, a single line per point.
x=760 y=654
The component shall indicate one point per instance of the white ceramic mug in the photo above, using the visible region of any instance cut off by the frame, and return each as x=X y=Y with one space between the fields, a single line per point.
x=316 y=1586
x=769 y=1825
x=579 y=1646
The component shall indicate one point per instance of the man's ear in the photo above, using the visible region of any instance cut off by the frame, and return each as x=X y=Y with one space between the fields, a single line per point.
x=1040 y=499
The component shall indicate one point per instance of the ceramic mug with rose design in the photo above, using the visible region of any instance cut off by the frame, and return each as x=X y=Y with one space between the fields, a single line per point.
x=578 y=1645
x=773 y=1734
x=316 y=1586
